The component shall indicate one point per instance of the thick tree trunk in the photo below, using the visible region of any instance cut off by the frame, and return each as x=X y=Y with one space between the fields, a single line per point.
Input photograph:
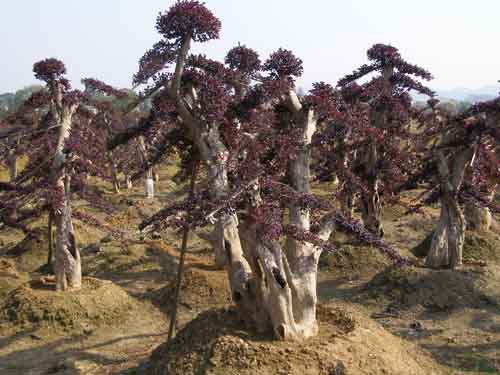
x=346 y=198
x=274 y=287
x=302 y=257
x=67 y=263
x=149 y=185
x=12 y=164
x=114 y=173
x=448 y=240
x=149 y=182
x=371 y=210
x=264 y=282
x=128 y=182
x=286 y=279
x=228 y=247
x=50 y=255
x=370 y=203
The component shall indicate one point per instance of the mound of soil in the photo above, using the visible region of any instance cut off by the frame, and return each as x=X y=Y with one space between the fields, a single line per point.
x=10 y=277
x=215 y=343
x=481 y=246
x=436 y=289
x=354 y=261
x=478 y=246
x=31 y=253
x=8 y=268
x=200 y=290
x=37 y=304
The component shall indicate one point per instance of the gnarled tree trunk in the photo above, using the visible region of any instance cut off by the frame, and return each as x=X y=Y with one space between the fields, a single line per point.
x=67 y=262
x=370 y=204
x=149 y=182
x=346 y=199
x=286 y=279
x=128 y=182
x=448 y=240
x=67 y=265
x=50 y=255
x=12 y=164
x=228 y=246
x=302 y=257
x=271 y=287
x=114 y=173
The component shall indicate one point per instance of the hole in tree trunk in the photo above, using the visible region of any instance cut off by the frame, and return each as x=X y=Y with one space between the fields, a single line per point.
x=72 y=245
x=227 y=249
x=280 y=332
x=250 y=285
x=279 y=278
x=236 y=297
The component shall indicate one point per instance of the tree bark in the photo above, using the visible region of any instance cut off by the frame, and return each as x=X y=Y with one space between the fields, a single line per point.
x=370 y=203
x=346 y=198
x=149 y=182
x=228 y=249
x=285 y=280
x=12 y=164
x=128 y=182
x=114 y=173
x=448 y=239
x=67 y=262
x=271 y=287
x=302 y=257
x=50 y=256
x=149 y=185
x=67 y=265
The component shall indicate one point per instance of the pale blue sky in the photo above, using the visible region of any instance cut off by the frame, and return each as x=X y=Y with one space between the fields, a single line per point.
x=456 y=40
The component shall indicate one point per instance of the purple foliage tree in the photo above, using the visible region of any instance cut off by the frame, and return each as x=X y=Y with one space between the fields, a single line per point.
x=460 y=165
x=383 y=110
x=252 y=134
x=62 y=147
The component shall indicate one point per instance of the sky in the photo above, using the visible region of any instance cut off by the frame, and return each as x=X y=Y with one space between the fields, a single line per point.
x=456 y=40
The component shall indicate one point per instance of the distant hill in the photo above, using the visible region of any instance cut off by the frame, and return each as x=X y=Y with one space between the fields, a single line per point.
x=470 y=95
x=11 y=101
x=6 y=103
x=463 y=94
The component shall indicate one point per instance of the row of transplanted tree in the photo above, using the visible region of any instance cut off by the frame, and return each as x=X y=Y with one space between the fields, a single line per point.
x=257 y=146
x=61 y=134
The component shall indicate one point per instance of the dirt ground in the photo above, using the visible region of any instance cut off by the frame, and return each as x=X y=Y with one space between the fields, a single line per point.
x=375 y=319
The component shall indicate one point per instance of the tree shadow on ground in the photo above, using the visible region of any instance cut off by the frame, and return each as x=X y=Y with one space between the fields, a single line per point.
x=67 y=355
x=482 y=358
x=434 y=290
x=482 y=321
x=343 y=289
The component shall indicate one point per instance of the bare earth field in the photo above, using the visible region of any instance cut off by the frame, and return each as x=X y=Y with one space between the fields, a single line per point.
x=375 y=319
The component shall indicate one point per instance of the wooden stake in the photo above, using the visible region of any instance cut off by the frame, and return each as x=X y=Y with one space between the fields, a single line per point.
x=180 y=270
